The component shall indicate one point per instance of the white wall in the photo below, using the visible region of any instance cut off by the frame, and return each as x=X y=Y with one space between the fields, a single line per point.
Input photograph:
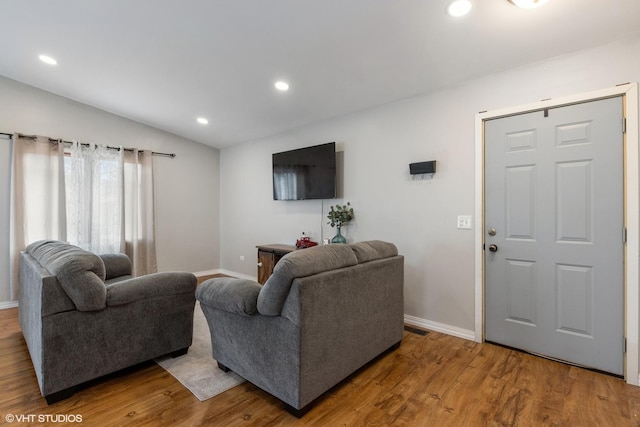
x=419 y=216
x=186 y=187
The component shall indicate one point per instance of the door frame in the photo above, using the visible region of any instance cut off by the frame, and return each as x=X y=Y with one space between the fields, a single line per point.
x=631 y=164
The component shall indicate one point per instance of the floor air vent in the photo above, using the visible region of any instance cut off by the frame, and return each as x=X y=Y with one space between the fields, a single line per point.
x=416 y=330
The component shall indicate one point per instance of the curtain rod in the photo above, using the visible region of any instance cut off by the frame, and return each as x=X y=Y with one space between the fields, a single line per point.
x=60 y=141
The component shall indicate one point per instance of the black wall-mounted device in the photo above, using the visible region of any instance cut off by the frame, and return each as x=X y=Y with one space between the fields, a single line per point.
x=422 y=167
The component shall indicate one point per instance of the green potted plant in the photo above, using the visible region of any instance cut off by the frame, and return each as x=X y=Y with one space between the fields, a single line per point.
x=339 y=216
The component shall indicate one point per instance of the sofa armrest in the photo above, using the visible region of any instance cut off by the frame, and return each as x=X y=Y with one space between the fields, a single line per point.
x=149 y=286
x=229 y=294
x=116 y=265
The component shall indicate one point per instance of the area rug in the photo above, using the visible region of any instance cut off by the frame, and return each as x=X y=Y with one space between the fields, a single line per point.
x=197 y=370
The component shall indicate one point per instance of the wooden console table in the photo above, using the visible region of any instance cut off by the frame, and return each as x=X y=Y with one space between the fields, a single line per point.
x=268 y=257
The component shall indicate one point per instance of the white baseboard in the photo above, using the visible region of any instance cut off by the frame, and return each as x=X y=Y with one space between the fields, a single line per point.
x=8 y=304
x=410 y=320
x=206 y=273
x=238 y=275
x=14 y=304
x=440 y=327
x=225 y=272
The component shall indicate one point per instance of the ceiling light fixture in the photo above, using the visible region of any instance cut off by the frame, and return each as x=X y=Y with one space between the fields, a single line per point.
x=459 y=8
x=48 y=60
x=528 y=4
x=202 y=121
x=282 y=86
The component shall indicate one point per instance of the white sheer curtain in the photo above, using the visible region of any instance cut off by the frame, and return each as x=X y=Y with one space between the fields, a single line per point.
x=95 y=197
x=37 y=196
x=139 y=212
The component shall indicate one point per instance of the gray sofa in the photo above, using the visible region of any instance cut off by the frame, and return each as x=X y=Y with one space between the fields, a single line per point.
x=324 y=313
x=84 y=316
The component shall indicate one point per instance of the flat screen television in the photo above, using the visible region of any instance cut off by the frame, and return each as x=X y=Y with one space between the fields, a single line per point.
x=305 y=173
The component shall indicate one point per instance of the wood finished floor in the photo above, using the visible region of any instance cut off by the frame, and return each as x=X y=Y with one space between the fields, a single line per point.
x=432 y=380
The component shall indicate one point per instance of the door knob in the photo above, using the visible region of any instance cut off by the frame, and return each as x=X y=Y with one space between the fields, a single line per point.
x=259 y=264
x=493 y=248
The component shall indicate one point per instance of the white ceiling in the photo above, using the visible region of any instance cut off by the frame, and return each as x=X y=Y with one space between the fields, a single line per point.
x=166 y=62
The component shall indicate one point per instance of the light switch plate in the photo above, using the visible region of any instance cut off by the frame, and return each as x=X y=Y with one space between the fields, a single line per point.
x=464 y=222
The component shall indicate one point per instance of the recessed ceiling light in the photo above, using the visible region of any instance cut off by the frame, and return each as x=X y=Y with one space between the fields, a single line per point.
x=48 y=60
x=528 y=4
x=202 y=121
x=282 y=85
x=459 y=7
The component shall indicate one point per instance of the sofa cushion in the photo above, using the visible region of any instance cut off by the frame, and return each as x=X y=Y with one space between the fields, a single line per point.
x=373 y=249
x=116 y=280
x=116 y=265
x=80 y=273
x=300 y=263
x=233 y=295
x=150 y=286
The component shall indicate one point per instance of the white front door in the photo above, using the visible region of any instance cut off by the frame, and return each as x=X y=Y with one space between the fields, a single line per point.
x=554 y=233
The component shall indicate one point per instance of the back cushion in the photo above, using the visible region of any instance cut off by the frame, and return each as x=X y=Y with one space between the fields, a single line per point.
x=373 y=249
x=80 y=273
x=116 y=265
x=300 y=263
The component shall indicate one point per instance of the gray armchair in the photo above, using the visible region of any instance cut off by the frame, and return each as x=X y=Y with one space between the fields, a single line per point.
x=84 y=316
x=324 y=313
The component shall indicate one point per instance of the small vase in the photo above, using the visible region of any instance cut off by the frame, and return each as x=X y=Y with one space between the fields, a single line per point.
x=338 y=238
